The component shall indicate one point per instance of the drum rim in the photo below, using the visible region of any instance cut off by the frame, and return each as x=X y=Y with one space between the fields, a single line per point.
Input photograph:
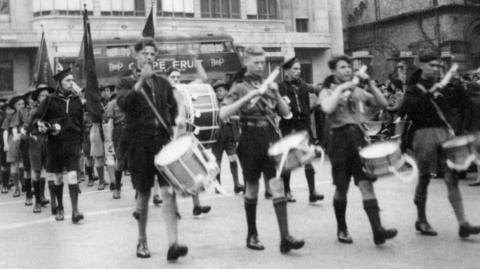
x=186 y=137
x=449 y=143
x=272 y=149
x=376 y=144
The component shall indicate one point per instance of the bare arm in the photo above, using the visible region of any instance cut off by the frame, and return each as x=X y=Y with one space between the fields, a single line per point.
x=378 y=97
x=329 y=102
x=230 y=109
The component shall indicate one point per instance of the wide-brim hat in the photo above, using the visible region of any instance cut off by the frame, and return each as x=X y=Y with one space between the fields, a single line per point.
x=14 y=100
x=289 y=63
x=62 y=74
x=40 y=88
x=220 y=83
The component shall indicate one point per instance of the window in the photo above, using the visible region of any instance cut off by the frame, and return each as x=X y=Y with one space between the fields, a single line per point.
x=262 y=9
x=122 y=7
x=60 y=7
x=220 y=9
x=175 y=8
x=4 y=8
x=6 y=76
x=302 y=25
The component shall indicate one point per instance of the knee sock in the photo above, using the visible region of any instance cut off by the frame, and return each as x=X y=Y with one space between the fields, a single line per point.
x=89 y=171
x=28 y=187
x=421 y=194
x=59 y=195
x=340 y=207
x=234 y=170
x=73 y=191
x=310 y=175
x=36 y=189
x=100 y=173
x=251 y=212
x=280 y=206
x=118 y=179
x=372 y=210
x=53 y=197
x=5 y=178
x=142 y=210
x=21 y=177
x=169 y=209
x=286 y=182
x=42 y=187
x=267 y=186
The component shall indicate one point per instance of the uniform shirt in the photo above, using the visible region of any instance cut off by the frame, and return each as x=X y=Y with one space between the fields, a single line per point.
x=112 y=111
x=139 y=117
x=351 y=107
x=297 y=95
x=265 y=107
x=6 y=122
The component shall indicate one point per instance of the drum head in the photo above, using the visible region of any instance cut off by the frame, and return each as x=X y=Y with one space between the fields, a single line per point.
x=378 y=150
x=459 y=141
x=286 y=143
x=174 y=150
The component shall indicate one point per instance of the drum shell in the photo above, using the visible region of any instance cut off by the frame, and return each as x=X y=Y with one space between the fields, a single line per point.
x=460 y=153
x=295 y=159
x=380 y=166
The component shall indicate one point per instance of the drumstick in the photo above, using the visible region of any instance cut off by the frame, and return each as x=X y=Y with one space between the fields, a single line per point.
x=448 y=76
x=362 y=69
x=263 y=88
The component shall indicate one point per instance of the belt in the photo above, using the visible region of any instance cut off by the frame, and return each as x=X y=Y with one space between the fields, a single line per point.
x=255 y=123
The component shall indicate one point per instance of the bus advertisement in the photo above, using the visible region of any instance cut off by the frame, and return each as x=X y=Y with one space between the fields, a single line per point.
x=115 y=57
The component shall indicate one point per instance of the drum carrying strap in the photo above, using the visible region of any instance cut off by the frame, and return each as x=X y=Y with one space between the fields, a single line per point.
x=437 y=108
x=154 y=110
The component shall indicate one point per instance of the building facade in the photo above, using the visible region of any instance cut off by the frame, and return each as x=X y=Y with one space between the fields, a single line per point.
x=309 y=29
x=390 y=32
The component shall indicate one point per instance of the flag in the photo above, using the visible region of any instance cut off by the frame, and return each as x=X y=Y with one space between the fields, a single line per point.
x=92 y=90
x=149 y=29
x=42 y=73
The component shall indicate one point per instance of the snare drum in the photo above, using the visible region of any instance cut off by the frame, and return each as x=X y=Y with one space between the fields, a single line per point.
x=297 y=149
x=460 y=152
x=187 y=166
x=201 y=110
x=383 y=158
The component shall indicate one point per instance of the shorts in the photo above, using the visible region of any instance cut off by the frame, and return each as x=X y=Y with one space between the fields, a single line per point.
x=253 y=153
x=24 y=145
x=225 y=142
x=62 y=156
x=344 y=146
x=427 y=149
x=96 y=142
x=37 y=152
x=140 y=157
x=13 y=153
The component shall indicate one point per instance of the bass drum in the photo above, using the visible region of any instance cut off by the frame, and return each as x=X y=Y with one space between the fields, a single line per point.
x=201 y=111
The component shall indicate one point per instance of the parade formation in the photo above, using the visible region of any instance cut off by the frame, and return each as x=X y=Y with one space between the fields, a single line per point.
x=167 y=133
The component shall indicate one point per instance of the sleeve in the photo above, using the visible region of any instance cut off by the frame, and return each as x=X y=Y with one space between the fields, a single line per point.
x=110 y=110
x=41 y=112
x=6 y=122
x=128 y=99
x=236 y=92
x=173 y=104
x=16 y=119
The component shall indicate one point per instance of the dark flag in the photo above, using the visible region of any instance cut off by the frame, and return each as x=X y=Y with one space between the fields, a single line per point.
x=149 y=29
x=92 y=90
x=42 y=73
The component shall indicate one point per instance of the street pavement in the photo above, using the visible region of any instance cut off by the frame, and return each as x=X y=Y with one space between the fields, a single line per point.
x=107 y=237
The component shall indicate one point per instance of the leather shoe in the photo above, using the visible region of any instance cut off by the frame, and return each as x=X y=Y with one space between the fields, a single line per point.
x=467 y=229
x=254 y=243
x=384 y=234
x=101 y=186
x=16 y=193
x=175 y=251
x=28 y=201
x=4 y=189
x=239 y=189
x=37 y=208
x=268 y=195
x=90 y=183
x=116 y=194
x=344 y=237
x=315 y=197
x=44 y=201
x=142 y=250
x=197 y=210
x=474 y=184
x=59 y=216
x=290 y=198
x=289 y=242
x=76 y=217
x=156 y=200
x=424 y=228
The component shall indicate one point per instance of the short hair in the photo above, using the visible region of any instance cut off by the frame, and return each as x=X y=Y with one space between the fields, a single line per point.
x=171 y=70
x=144 y=42
x=332 y=64
x=253 y=51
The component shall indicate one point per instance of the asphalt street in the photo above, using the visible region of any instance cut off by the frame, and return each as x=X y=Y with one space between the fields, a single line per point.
x=108 y=235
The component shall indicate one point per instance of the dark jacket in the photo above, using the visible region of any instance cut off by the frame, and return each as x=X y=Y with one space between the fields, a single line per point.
x=140 y=118
x=66 y=110
x=297 y=93
x=473 y=118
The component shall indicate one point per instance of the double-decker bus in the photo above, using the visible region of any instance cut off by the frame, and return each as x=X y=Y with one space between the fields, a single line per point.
x=114 y=57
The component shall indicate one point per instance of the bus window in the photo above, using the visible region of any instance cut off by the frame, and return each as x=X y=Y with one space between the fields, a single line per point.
x=118 y=52
x=184 y=49
x=167 y=49
x=229 y=47
x=212 y=47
